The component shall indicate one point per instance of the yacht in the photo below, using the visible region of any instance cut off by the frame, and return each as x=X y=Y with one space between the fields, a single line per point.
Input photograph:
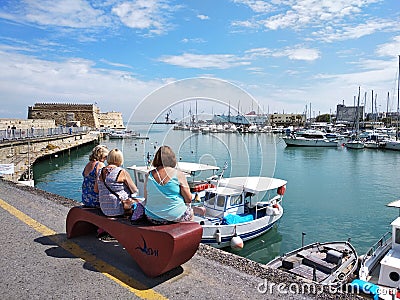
x=310 y=138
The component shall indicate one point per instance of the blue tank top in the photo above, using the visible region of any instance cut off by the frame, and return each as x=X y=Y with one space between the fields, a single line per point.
x=164 y=202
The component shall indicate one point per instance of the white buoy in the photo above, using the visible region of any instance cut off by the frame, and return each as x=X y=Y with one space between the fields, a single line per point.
x=218 y=236
x=237 y=243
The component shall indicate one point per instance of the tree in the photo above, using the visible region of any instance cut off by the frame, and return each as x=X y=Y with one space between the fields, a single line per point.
x=323 y=118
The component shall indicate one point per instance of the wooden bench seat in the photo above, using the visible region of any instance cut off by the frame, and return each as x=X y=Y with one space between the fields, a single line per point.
x=156 y=249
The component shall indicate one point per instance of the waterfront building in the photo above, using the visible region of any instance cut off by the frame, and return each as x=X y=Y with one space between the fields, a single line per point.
x=237 y=120
x=348 y=113
x=287 y=119
x=257 y=119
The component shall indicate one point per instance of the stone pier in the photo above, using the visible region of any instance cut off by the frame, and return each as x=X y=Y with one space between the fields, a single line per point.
x=24 y=152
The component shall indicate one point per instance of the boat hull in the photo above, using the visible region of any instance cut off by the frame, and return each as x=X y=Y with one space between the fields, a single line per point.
x=355 y=145
x=371 y=145
x=393 y=145
x=246 y=231
x=299 y=142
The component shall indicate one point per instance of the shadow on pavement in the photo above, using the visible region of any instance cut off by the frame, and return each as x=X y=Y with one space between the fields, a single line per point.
x=105 y=256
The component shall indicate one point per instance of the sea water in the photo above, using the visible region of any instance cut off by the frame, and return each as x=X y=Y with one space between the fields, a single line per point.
x=332 y=193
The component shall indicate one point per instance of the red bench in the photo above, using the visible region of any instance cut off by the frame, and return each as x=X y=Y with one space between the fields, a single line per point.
x=156 y=249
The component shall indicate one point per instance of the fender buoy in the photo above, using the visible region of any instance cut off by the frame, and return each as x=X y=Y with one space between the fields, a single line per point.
x=218 y=237
x=281 y=190
x=236 y=242
x=202 y=187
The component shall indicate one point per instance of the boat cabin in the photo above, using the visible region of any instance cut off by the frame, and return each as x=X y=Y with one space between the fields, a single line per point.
x=223 y=201
x=390 y=265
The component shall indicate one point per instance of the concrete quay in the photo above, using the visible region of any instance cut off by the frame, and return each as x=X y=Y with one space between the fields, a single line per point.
x=39 y=262
x=24 y=152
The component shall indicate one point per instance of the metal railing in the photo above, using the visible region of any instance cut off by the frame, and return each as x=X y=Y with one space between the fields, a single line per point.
x=7 y=135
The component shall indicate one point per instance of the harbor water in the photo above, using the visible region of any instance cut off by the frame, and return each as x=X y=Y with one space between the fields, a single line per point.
x=332 y=193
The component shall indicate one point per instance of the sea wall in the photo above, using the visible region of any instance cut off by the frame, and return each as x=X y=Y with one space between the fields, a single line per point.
x=23 y=153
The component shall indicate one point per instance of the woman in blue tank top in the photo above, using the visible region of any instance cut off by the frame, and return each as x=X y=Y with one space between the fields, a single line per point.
x=167 y=192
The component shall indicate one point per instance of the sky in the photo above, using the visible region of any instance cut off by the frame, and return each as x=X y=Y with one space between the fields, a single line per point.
x=287 y=55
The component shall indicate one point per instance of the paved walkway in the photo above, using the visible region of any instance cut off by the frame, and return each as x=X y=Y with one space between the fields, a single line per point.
x=38 y=262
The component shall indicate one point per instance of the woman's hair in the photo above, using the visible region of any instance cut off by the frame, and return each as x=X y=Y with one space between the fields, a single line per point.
x=164 y=157
x=98 y=152
x=115 y=157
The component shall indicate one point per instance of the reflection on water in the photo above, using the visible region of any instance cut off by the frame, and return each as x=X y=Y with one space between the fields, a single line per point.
x=332 y=193
x=262 y=249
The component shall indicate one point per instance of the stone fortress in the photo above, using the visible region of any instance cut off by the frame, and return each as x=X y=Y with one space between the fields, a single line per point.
x=65 y=114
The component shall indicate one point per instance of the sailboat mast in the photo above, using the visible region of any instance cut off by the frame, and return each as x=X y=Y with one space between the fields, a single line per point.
x=357 y=114
x=398 y=100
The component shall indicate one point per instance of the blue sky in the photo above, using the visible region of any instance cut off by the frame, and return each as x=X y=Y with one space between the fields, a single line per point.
x=286 y=54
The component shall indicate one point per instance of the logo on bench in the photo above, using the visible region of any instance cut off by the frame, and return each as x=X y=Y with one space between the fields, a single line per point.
x=147 y=251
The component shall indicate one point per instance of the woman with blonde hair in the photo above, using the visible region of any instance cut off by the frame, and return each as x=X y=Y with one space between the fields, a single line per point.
x=167 y=192
x=97 y=157
x=115 y=185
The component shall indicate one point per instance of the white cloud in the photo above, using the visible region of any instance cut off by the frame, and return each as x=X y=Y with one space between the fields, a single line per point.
x=390 y=49
x=347 y=32
x=65 y=13
x=211 y=61
x=144 y=14
x=294 y=53
x=302 y=14
x=258 y=6
x=25 y=80
x=203 y=17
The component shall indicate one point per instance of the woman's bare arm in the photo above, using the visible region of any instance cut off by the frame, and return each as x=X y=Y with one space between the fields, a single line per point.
x=127 y=179
x=184 y=187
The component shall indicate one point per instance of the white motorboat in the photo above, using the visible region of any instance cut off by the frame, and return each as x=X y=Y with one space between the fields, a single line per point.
x=371 y=144
x=240 y=208
x=392 y=145
x=354 y=144
x=380 y=266
x=310 y=138
x=123 y=134
x=236 y=208
x=331 y=263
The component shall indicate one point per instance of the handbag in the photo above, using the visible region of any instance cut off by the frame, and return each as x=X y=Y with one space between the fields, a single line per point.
x=126 y=203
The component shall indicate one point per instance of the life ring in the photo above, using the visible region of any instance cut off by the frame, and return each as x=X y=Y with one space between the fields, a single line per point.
x=281 y=190
x=202 y=187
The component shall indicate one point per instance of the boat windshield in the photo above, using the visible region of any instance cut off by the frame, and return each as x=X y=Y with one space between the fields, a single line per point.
x=212 y=198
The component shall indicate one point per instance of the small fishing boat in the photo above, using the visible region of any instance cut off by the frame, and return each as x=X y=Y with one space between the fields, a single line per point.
x=331 y=263
x=380 y=266
x=239 y=209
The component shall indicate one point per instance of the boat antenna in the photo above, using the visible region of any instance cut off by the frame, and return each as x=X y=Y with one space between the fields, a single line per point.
x=222 y=172
x=302 y=239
